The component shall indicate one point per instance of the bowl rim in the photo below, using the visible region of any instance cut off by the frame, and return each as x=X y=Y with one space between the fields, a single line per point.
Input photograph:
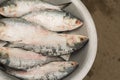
x=92 y=30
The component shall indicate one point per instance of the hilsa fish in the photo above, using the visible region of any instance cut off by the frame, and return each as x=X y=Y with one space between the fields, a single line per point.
x=54 y=20
x=4 y=76
x=32 y=37
x=51 y=71
x=21 y=59
x=17 y=8
x=64 y=57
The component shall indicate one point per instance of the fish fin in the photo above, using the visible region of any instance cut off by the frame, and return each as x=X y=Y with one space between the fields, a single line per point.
x=62 y=6
x=66 y=57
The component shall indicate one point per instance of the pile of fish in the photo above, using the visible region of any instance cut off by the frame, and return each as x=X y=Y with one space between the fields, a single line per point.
x=31 y=47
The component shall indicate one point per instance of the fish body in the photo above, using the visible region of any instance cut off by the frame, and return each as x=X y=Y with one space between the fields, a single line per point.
x=17 y=8
x=54 y=20
x=51 y=71
x=4 y=76
x=21 y=59
x=23 y=34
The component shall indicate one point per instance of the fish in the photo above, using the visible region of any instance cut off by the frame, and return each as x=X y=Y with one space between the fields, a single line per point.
x=64 y=57
x=51 y=71
x=54 y=20
x=23 y=34
x=56 y=49
x=18 y=8
x=4 y=76
x=21 y=59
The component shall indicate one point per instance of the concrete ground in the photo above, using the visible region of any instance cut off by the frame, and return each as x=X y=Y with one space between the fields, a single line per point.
x=106 y=14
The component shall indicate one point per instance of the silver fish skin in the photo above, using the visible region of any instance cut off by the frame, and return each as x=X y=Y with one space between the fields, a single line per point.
x=51 y=71
x=21 y=59
x=54 y=20
x=17 y=8
x=23 y=34
x=4 y=76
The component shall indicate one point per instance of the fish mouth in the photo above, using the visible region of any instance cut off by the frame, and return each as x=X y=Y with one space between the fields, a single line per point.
x=78 y=24
x=77 y=41
x=82 y=43
x=73 y=66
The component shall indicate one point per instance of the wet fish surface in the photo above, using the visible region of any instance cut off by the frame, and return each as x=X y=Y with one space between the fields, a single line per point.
x=54 y=20
x=23 y=34
x=4 y=76
x=21 y=59
x=51 y=71
x=17 y=8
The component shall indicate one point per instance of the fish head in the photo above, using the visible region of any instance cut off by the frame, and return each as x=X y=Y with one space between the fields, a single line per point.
x=72 y=22
x=76 y=41
x=69 y=66
x=6 y=10
x=3 y=53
